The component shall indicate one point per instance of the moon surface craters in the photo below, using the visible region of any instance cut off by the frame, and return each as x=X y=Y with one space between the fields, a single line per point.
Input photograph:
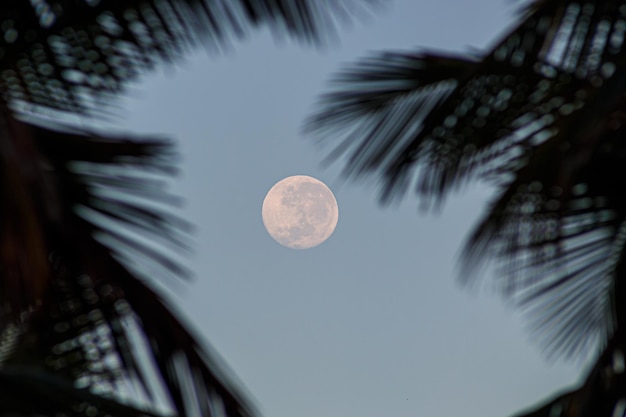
x=300 y=212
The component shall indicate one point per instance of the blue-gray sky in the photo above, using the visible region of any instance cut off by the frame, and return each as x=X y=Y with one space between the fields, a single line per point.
x=371 y=323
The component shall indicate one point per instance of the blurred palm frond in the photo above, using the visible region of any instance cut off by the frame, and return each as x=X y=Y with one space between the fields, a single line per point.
x=82 y=204
x=86 y=219
x=71 y=56
x=539 y=115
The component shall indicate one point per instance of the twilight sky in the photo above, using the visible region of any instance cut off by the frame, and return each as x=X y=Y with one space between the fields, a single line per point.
x=371 y=323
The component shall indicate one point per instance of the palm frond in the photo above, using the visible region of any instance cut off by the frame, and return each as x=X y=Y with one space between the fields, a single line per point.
x=72 y=55
x=538 y=73
x=100 y=185
x=85 y=218
x=558 y=224
x=392 y=94
x=97 y=208
x=539 y=115
x=104 y=330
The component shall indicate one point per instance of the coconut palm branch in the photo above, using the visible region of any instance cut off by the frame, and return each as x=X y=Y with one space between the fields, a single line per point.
x=87 y=226
x=79 y=215
x=56 y=54
x=540 y=116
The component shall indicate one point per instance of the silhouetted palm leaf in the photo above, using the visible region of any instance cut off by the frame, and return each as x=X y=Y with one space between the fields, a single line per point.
x=85 y=218
x=78 y=312
x=55 y=54
x=541 y=115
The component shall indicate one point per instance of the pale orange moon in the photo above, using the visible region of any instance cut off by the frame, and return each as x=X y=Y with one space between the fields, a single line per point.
x=300 y=212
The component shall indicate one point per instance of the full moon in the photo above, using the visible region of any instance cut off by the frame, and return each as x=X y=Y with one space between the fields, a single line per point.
x=300 y=212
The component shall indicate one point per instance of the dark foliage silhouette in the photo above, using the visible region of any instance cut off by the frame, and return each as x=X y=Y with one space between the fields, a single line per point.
x=85 y=221
x=540 y=116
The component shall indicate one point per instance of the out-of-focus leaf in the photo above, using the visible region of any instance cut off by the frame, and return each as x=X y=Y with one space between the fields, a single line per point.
x=57 y=54
x=91 y=201
x=539 y=115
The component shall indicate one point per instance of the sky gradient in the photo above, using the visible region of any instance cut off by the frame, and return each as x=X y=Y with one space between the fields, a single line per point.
x=372 y=322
